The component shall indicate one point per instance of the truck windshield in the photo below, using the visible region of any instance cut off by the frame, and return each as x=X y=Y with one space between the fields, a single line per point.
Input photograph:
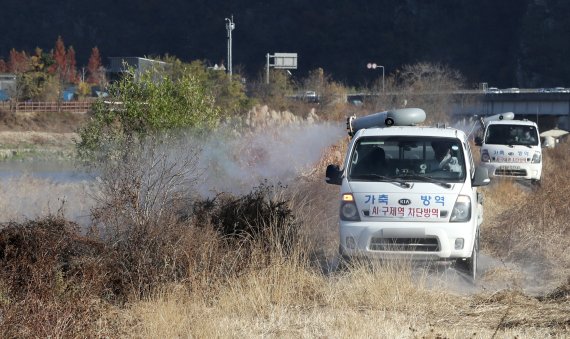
x=511 y=135
x=411 y=158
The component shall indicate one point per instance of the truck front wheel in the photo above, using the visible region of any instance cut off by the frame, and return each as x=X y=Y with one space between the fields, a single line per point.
x=470 y=265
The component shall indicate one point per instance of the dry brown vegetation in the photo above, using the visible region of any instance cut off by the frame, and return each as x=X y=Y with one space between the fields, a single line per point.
x=51 y=122
x=263 y=265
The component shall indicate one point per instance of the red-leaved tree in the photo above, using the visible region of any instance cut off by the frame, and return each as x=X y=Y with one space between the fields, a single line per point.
x=94 y=67
x=64 y=63
x=71 y=74
x=19 y=62
x=3 y=66
x=59 y=58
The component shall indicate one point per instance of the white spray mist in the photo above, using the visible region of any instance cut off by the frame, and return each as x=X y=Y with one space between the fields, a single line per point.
x=274 y=154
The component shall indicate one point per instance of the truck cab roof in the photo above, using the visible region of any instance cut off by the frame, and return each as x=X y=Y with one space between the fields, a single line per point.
x=427 y=131
x=512 y=122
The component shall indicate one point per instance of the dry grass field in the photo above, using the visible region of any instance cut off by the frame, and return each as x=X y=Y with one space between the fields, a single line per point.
x=38 y=134
x=264 y=264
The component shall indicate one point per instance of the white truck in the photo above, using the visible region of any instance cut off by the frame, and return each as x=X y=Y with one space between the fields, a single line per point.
x=510 y=148
x=398 y=201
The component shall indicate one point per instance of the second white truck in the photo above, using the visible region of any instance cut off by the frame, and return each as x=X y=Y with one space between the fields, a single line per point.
x=510 y=148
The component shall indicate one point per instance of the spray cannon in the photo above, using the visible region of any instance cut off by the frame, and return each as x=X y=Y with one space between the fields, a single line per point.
x=497 y=117
x=396 y=117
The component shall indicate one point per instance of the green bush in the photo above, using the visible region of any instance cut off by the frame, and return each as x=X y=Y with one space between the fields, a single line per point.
x=143 y=104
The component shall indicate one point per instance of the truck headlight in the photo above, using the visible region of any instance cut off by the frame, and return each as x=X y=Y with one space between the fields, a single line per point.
x=459 y=242
x=485 y=156
x=348 y=209
x=536 y=158
x=461 y=210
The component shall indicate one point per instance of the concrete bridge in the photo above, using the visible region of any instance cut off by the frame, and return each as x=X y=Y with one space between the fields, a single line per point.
x=548 y=109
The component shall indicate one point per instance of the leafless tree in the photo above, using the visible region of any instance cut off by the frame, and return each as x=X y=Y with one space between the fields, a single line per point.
x=424 y=85
x=146 y=187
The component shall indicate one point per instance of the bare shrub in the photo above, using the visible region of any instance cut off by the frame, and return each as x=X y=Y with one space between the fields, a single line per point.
x=259 y=218
x=159 y=233
x=137 y=210
x=49 y=278
x=145 y=185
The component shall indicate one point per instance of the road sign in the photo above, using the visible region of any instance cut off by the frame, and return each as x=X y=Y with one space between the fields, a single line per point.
x=285 y=60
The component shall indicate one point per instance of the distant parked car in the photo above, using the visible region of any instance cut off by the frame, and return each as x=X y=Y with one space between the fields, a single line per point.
x=560 y=90
x=493 y=90
x=511 y=90
x=311 y=96
x=357 y=102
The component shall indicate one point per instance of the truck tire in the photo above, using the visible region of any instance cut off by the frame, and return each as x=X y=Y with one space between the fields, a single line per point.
x=470 y=265
x=473 y=262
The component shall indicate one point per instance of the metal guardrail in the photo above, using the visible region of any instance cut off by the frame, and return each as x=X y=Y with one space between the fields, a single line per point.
x=46 y=106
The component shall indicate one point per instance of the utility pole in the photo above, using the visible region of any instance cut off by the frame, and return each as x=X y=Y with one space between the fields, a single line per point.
x=230 y=27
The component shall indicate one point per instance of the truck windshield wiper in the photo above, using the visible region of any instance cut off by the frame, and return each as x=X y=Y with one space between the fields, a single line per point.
x=429 y=179
x=395 y=181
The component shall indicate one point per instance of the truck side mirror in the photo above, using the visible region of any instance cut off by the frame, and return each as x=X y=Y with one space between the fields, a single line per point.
x=478 y=141
x=333 y=175
x=480 y=177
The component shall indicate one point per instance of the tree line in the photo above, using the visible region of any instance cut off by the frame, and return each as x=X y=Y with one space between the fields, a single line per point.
x=42 y=76
x=509 y=43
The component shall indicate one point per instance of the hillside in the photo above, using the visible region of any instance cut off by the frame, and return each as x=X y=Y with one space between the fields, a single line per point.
x=511 y=43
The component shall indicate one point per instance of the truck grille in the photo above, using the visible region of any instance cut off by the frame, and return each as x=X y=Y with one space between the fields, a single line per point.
x=404 y=244
x=511 y=172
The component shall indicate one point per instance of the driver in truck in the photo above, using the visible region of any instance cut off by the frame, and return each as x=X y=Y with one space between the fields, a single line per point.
x=527 y=137
x=443 y=158
x=373 y=163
